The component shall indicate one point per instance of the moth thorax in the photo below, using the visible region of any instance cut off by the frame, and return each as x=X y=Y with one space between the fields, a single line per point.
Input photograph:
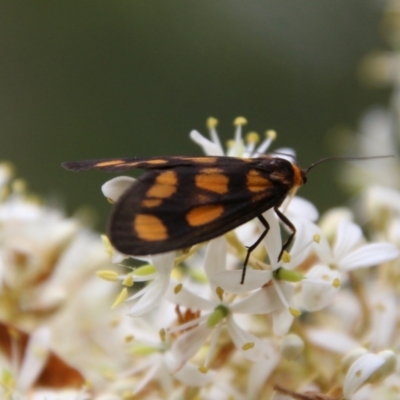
x=299 y=177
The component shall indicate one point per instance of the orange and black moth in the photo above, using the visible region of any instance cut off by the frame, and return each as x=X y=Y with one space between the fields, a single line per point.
x=181 y=201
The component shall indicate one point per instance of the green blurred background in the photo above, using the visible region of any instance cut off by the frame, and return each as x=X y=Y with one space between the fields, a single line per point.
x=93 y=79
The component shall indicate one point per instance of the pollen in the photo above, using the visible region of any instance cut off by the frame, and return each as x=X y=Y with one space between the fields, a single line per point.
x=164 y=186
x=240 y=121
x=107 y=275
x=248 y=346
x=120 y=298
x=256 y=182
x=211 y=122
x=212 y=179
x=252 y=137
x=178 y=288
x=271 y=134
x=149 y=227
x=204 y=214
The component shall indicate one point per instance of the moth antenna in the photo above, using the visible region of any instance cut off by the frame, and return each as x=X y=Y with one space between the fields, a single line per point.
x=348 y=158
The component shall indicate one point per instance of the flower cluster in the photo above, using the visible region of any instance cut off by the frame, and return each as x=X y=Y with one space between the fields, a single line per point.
x=212 y=325
x=321 y=321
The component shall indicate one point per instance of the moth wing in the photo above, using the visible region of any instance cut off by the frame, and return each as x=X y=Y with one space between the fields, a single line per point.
x=174 y=209
x=124 y=164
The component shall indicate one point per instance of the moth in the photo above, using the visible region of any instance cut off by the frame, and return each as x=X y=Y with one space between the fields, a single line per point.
x=181 y=201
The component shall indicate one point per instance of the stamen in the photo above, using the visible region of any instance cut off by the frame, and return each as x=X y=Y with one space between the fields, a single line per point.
x=336 y=283
x=203 y=369
x=211 y=122
x=178 y=288
x=237 y=149
x=248 y=346
x=145 y=270
x=128 y=281
x=107 y=244
x=295 y=312
x=120 y=298
x=239 y=121
x=129 y=338
x=286 y=257
x=220 y=293
x=270 y=136
x=252 y=138
x=162 y=334
x=107 y=275
x=211 y=125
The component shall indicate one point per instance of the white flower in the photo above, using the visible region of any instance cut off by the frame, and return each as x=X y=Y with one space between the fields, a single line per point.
x=157 y=271
x=152 y=359
x=347 y=255
x=319 y=287
x=217 y=312
x=367 y=368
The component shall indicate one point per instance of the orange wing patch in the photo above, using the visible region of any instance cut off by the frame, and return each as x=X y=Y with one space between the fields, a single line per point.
x=109 y=163
x=204 y=214
x=150 y=228
x=203 y=160
x=255 y=182
x=165 y=185
x=149 y=203
x=156 y=161
x=212 y=179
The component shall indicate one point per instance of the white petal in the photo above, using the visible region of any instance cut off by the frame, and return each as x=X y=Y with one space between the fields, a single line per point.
x=190 y=375
x=258 y=375
x=35 y=359
x=273 y=240
x=384 y=318
x=282 y=321
x=215 y=257
x=188 y=299
x=318 y=288
x=209 y=148
x=300 y=208
x=336 y=341
x=114 y=188
x=359 y=372
x=187 y=345
x=149 y=375
x=303 y=242
x=230 y=280
x=262 y=301
x=164 y=262
x=347 y=237
x=152 y=296
x=286 y=153
x=323 y=249
x=261 y=349
x=368 y=256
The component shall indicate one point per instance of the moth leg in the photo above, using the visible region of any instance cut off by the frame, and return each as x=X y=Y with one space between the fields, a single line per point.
x=289 y=224
x=254 y=245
